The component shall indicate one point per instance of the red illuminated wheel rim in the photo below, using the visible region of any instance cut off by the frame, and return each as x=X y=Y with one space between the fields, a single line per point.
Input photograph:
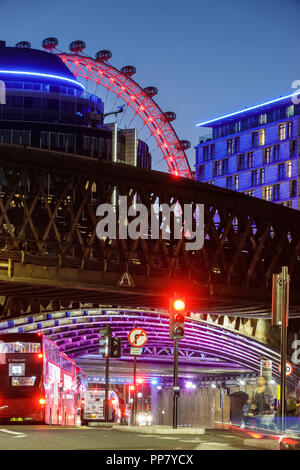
x=140 y=100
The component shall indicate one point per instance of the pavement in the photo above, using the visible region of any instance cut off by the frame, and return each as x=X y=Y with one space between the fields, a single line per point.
x=42 y=437
x=151 y=429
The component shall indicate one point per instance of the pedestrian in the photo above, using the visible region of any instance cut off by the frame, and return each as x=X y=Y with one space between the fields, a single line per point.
x=246 y=420
x=262 y=404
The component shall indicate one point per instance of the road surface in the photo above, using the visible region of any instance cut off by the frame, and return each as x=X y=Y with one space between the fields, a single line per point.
x=24 y=437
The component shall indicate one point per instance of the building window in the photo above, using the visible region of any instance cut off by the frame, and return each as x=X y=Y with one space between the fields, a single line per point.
x=229 y=182
x=282 y=131
x=250 y=160
x=276 y=192
x=293 y=148
x=200 y=175
x=267 y=193
x=263 y=119
x=69 y=143
x=266 y=155
x=255 y=139
x=236 y=182
x=288 y=204
x=236 y=144
x=276 y=153
x=53 y=140
x=205 y=153
x=229 y=146
x=250 y=192
x=237 y=126
x=254 y=178
x=293 y=188
x=61 y=141
x=44 y=140
x=290 y=111
x=241 y=162
x=232 y=182
x=20 y=137
x=212 y=151
x=281 y=171
x=262 y=176
x=262 y=137
x=289 y=129
x=289 y=169
x=224 y=166
x=217 y=168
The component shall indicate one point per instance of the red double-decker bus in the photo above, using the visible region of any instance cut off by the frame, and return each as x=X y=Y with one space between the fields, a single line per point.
x=37 y=381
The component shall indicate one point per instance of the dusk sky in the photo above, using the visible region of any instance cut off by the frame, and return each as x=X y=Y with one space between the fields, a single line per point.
x=206 y=57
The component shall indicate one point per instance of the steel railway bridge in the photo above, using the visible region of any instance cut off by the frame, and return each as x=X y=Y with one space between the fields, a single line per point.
x=52 y=261
x=50 y=256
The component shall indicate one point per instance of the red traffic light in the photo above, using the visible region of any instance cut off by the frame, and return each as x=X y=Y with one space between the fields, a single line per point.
x=178 y=304
x=179 y=318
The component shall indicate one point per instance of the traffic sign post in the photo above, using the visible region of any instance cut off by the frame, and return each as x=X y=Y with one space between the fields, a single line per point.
x=137 y=338
x=288 y=369
x=266 y=369
x=280 y=312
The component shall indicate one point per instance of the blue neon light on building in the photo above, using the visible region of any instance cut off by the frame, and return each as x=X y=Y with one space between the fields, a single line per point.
x=4 y=73
x=255 y=151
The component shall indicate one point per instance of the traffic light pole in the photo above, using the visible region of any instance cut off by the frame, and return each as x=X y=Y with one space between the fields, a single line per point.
x=106 y=410
x=175 y=395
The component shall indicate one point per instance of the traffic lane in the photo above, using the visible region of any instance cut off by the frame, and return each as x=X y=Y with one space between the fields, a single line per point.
x=83 y=438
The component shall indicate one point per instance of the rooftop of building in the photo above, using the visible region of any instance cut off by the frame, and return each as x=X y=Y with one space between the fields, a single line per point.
x=16 y=62
x=247 y=112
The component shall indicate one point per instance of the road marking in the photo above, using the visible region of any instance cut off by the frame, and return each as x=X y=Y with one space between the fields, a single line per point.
x=12 y=432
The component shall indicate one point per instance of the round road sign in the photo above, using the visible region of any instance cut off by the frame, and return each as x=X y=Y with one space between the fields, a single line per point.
x=137 y=337
x=288 y=369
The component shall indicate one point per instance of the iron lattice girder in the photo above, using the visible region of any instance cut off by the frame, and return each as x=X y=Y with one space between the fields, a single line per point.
x=48 y=204
x=143 y=105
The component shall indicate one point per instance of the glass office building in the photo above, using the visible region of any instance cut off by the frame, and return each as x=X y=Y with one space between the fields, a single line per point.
x=46 y=107
x=254 y=151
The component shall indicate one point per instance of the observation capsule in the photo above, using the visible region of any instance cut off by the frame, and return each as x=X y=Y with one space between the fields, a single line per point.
x=49 y=43
x=168 y=116
x=77 y=46
x=23 y=45
x=151 y=91
x=183 y=145
x=128 y=70
x=103 y=56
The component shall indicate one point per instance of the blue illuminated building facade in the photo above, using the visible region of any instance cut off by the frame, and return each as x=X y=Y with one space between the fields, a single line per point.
x=254 y=151
x=46 y=107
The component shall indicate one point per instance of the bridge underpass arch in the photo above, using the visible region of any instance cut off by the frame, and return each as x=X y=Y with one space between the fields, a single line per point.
x=208 y=346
